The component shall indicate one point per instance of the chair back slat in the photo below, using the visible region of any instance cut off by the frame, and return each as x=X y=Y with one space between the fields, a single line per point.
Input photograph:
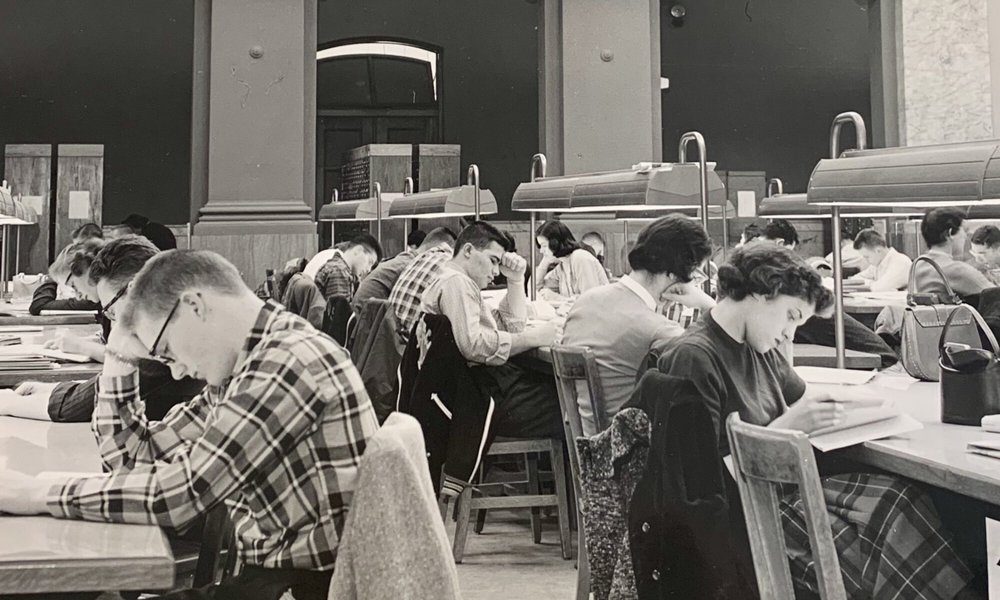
x=763 y=459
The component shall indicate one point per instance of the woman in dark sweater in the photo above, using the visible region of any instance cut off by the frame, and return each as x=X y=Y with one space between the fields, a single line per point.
x=888 y=535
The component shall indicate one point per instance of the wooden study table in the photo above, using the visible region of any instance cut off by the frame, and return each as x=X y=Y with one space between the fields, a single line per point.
x=804 y=355
x=44 y=554
x=935 y=454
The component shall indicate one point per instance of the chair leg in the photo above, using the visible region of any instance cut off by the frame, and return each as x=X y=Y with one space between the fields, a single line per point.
x=480 y=520
x=463 y=510
x=558 y=459
x=481 y=513
x=582 y=569
x=534 y=488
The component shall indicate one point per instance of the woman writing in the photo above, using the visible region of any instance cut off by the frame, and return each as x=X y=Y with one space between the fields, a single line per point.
x=889 y=539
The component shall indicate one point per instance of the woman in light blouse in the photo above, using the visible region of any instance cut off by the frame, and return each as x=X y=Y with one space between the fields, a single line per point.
x=568 y=268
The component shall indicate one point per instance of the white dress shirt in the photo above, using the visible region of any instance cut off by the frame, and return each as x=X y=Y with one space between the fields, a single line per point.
x=890 y=274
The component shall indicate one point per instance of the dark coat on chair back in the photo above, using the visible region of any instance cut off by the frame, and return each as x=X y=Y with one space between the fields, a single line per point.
x=377 y=352
x=440 y=391
x=336 y=317
x=687 y=540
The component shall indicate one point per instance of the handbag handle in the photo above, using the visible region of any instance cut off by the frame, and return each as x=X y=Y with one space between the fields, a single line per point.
x=955 y=299
x=980 y=324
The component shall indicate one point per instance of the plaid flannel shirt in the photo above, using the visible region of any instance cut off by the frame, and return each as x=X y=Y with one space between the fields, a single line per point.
x=409 y=289
x=280 y=441
x=336 y=278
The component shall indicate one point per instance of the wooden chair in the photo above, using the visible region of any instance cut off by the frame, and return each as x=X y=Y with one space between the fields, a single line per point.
x=764 y=458
x=529 y=449
x=569 y=366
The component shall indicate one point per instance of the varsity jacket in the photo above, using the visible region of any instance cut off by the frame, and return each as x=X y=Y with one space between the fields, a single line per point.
x=440 y=391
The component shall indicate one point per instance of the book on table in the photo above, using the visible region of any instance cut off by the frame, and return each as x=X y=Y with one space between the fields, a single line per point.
x=864 y=424
x=989 y=448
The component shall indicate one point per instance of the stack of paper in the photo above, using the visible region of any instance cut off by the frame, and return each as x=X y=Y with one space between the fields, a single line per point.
x=985 y=448
x=25 y=363
x=38 y=351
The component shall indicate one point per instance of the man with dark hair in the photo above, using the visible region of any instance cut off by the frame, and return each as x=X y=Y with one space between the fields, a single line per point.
x=278 y=432
x=526 y=404
x=160 y=235
x=750 y=233
x=888 y=270
x=379 y=283
x=350 y=262
x=620 y=322
x=985 y=249
x=70 y=402
x=942 y=230
x=781 y=232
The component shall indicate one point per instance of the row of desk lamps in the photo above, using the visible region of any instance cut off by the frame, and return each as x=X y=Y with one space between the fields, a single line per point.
x=861 y=182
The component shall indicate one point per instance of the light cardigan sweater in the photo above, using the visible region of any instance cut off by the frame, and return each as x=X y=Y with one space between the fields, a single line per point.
x=575 y=274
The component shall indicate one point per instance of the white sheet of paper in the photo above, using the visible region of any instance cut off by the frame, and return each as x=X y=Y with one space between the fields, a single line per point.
x=33 y=202
x=746 y=204
x=79 y=205
x=865 y=433
x=827 y=375
x=992 y=556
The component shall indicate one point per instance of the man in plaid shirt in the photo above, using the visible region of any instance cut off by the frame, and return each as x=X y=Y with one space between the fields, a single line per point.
x=409 y=289
x=348 y=265
x=277 y=434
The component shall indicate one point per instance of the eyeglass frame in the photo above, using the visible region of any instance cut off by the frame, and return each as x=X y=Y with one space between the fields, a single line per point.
x=152 y=349
x=116 y=298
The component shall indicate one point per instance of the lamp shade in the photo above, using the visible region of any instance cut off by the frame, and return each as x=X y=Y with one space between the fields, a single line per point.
x=919 y=176
x=663 y=187
x=714 y=213
x=796 y=206
x=449 y=202
x=347 y=210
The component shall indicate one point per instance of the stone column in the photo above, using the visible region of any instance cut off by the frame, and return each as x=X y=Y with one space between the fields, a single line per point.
x=254 y=131
x=599 y=84
x=932 y=77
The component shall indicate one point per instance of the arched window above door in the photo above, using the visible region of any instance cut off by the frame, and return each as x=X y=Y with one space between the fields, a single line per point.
x=376 y=74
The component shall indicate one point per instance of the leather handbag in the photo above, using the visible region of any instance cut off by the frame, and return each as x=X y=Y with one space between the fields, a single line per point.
x=923 y=321
x=970 y=376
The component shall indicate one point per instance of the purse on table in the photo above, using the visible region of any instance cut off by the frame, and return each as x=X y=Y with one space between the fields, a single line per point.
x=970 y=376
x=923 y=322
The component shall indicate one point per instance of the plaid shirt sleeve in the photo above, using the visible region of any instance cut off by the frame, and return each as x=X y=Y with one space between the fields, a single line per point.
x=333 y=280
x=249 y=444
x=127 y=439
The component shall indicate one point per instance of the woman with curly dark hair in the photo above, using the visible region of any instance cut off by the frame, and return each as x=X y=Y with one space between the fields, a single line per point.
x=888 y=535
x=568 y=268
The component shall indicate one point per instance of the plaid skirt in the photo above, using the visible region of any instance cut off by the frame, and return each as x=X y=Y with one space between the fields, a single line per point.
x=889 y=539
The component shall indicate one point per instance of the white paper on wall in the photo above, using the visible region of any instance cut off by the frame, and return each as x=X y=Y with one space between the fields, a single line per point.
x=34 y=203
x=79 y=205
x=746 y=204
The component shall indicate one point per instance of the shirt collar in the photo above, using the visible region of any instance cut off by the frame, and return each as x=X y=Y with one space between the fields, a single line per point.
x=640 y=291
x=442 y=247
x=265 y=321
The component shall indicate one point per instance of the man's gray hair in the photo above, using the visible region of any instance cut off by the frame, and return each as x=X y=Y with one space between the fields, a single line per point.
x=169 y=274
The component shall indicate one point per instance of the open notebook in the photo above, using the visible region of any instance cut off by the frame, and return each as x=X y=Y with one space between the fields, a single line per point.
x=864 y=424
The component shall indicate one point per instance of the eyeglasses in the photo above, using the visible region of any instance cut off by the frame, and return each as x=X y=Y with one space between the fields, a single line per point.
x=118 y=296
x=69 y=282
x=156 y=342
x=698 y=277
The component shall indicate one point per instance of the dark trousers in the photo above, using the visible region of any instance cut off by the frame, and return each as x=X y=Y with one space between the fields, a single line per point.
x=527 y=404
x=257 y=583
x=819 y=331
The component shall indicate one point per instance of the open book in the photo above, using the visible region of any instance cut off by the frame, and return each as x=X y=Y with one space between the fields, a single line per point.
x=864 y=424
x=827 y=375
x=28 y=351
